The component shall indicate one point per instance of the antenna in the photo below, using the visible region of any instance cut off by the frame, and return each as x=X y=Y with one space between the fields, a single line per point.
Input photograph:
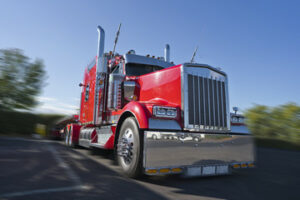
x=116 y=40
x=194 y=54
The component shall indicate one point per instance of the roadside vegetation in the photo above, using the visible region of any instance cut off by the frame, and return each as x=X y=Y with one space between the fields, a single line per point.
x=277 y=127
x=21 y=81
x=14 y=123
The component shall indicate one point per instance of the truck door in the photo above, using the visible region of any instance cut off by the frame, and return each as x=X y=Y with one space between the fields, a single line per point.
x=87 y=94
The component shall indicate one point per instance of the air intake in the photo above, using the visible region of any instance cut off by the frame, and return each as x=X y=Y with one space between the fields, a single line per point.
x=205 y=100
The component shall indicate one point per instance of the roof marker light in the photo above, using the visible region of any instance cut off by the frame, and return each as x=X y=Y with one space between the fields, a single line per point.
x=165 y=170
x=176 y=170
x=244 y=165
x=236 y=166
x=250 y=165
x=151 y=171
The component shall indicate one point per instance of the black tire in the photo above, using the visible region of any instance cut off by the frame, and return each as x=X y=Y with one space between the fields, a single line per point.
x=67 y=138
x=130 y=138
x=71 y=143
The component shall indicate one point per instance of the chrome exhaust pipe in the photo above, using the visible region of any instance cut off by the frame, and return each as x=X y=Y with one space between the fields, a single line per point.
x=100 y=51
x=167 y=53
x=101 y=70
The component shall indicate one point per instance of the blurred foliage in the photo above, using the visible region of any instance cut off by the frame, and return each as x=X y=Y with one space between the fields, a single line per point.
x=23 y=123
x=277 y=123
x=20 y=80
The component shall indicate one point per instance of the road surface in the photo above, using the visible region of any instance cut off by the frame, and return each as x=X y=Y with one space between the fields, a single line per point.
x=42 y=169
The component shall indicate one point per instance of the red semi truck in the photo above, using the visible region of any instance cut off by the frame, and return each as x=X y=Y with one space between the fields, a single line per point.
x=149 y=111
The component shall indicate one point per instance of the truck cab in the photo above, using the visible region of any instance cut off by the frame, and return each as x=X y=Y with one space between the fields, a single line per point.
x=159 y=118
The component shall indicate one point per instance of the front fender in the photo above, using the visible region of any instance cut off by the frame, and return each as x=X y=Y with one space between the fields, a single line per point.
x=140 y=113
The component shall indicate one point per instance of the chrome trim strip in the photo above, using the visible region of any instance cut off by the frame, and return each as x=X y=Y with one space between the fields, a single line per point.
x=205 y=66
x=96 y=145
x=240 y=130
x=182 y=90
x=199 y=110
x=227 y=103
x=208 y=98
x=201 y=168
x=162 y=124
x=194 y=97
x=96 y=97
x=204 y=103
x=213 y=101
x=223 y=120
x=218 y=104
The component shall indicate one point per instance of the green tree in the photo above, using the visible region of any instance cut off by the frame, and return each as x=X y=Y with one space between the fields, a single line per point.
x=20 y=80
x=290 y=121
x=259 y=120
x=281 y=122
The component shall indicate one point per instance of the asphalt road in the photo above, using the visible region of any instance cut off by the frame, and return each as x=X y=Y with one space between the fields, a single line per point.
x=41 y=169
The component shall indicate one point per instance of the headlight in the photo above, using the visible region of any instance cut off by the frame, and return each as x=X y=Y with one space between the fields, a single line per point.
x=167 y=112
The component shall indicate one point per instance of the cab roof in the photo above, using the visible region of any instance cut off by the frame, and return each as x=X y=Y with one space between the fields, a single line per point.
x=133 y=58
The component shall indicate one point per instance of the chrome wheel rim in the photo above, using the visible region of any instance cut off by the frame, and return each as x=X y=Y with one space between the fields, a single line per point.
x=125 y=147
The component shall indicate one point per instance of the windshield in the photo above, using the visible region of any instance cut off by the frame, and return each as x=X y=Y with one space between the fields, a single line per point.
x=134 y=69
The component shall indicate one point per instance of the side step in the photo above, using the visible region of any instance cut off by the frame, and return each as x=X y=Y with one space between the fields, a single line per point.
x=95 y=136
x=84 y=142
x=96 y=145
x=87 y=143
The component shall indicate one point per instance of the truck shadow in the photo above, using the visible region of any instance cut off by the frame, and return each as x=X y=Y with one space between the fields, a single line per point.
x=106 y=183
x=275 y=177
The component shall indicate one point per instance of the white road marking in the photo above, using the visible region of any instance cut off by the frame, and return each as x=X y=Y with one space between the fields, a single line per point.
x=25 y=139
x=31 y=192
x=71 y=174
x=8 y=160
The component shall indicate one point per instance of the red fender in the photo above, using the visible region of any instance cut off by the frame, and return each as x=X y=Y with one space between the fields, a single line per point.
x=139 y=111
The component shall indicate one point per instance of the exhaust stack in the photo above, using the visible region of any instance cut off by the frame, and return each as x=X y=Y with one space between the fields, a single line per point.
x=167 y=53
x=100 y=50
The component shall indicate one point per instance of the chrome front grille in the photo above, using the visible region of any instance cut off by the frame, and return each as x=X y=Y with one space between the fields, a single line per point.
x=205 y=100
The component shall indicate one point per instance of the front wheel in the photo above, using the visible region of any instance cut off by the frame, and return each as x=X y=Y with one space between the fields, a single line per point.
x=129 y=148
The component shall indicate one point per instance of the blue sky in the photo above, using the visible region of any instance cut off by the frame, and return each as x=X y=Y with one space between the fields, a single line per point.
x=257 y=43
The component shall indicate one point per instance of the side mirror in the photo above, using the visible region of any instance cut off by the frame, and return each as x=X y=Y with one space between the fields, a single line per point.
x=235 y=109
x=80 y=85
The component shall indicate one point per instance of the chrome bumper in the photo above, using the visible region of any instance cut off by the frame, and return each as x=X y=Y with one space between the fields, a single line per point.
x=196 y=153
